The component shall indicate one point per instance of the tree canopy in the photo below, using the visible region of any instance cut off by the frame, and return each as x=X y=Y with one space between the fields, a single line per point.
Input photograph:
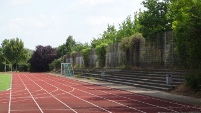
x=155 y=19
x=70 y=42
x=14 y=52
x=41 y=58
x=187 y=29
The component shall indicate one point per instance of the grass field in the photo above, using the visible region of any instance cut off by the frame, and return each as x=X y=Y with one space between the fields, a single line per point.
x=5 y=80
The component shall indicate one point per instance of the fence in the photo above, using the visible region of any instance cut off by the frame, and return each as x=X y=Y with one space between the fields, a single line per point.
x=155 y=53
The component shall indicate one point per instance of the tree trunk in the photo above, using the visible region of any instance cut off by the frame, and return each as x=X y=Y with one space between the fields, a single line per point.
x=16 y=67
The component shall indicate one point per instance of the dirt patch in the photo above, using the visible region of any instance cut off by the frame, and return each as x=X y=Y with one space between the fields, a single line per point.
x=186 y=91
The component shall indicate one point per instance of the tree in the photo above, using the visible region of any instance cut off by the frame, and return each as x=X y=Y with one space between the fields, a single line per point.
x=126 y=29
x=110 y=34
x=86 y=55
x=79 y=46
x=55 y=65
x=108 y=37
x=2 y=60
x=61 y=50
x=42 y=57
x=186 y=25
x=14 y=51
x=70 y=42
x=101 y=51
x=125 y=46
x=155 y=19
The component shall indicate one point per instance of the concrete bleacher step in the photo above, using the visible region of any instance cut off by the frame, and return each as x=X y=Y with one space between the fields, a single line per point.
x=145 y=79
x=148 y=83
x=140 y=85
x=161 y=79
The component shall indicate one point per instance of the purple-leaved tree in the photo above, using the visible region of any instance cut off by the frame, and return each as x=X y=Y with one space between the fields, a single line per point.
x=41 y=58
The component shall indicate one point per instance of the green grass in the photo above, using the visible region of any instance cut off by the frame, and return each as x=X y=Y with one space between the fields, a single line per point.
x=5 y=80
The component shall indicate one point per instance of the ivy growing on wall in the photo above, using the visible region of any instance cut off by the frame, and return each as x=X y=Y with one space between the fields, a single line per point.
x=101 y=51
x=86 y=53
x=131 y=46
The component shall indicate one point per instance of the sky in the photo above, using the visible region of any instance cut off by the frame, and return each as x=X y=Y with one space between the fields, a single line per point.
x=50 y=22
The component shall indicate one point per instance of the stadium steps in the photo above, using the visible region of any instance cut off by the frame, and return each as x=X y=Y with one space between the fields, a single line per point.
x=150 y=79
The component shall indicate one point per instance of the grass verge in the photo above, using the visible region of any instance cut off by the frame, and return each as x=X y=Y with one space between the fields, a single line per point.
x=5 y=81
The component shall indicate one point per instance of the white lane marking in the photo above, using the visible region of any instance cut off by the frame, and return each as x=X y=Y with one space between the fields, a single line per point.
x=52 y=95
x=154 y=98
x=9 y=105
x=76 y=96
x=34 y=110
x=31 y=95
x=99 y=96
x=132 y=99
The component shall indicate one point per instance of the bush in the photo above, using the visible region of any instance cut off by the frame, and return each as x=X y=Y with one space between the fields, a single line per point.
x=86 y=55
x=131 y=46
x=56 y=64
x=193 y=80
x=101 y=51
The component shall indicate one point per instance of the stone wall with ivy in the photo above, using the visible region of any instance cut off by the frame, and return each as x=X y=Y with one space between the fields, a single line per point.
x=136 y=52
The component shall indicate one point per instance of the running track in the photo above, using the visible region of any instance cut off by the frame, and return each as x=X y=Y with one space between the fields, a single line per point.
x=43 y=93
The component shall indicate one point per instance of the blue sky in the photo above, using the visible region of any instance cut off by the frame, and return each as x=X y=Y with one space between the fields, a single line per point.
x=50 y=22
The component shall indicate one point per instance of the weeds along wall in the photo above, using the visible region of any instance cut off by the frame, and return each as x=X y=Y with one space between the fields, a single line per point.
x=159 y=52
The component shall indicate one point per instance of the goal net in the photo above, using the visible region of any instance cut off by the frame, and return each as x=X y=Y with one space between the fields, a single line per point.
x=66 y=69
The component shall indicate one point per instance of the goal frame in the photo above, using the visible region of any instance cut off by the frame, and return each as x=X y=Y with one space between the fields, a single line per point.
x=67 y=69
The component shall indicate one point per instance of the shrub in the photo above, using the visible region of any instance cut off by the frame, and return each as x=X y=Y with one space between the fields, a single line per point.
x=125 y=47
x=193 y=80
x=56 y=64
x=131 y=46
x=86 y=53
x=101 y=51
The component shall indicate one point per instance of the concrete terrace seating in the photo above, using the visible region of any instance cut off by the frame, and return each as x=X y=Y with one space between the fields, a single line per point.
x=150 y=79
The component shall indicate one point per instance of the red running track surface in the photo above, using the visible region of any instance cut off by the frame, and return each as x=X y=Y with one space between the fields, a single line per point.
x=43 y=93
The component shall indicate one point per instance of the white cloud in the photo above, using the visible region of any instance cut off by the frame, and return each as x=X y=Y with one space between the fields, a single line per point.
x=87 y=3
x=36 y=30
x=50 y=21
x=95 y=2
x=34 y=23
x=20 y=2
x=103 y=20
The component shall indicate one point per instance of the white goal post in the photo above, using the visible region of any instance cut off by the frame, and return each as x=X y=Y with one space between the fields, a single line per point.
x=67 y=69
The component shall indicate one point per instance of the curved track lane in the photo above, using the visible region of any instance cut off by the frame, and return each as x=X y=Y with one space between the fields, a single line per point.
x=43 y=93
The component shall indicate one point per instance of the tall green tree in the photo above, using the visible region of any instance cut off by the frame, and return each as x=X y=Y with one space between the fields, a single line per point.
x=79 y=46
x=110 y=34
x=126 y=28
x=14 y=51
x=70 y=42
x=1 y=60
x=108 y=37
x=187 y=29
x=61 y=50
x=155 y=19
